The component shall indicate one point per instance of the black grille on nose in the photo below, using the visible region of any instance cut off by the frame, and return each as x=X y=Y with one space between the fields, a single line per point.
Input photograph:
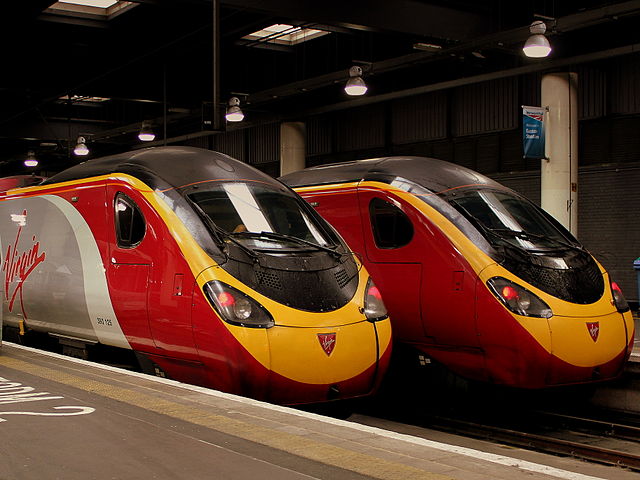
x=268 y=279
x=581 y=282
x=342 y=277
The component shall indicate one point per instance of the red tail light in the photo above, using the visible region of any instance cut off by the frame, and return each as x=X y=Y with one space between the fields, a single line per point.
x=225 y=299
x=509 y=293
x=235 y=307
x=618 y=298
x=518 y=299
x=374 y=292
x=374 y=308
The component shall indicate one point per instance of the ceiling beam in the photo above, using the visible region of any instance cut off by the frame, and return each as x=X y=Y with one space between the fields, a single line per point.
x=494 y=40
x=404 y=16
x=550 y=65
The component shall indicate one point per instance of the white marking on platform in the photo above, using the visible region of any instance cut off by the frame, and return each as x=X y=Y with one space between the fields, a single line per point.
x=468 y=452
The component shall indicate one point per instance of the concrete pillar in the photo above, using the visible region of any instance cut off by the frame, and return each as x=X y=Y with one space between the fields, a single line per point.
x=559 y=194
x=292 y=147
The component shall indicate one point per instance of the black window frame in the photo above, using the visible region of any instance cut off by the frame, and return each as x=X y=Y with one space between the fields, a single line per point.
x=375 y=205
x=136 y=213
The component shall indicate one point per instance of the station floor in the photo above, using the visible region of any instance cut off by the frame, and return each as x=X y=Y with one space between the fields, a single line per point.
x=62 y=418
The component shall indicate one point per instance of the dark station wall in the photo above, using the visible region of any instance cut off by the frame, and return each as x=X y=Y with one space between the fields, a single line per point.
x=479 y=126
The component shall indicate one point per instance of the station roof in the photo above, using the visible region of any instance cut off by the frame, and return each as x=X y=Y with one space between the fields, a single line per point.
x=101 y=70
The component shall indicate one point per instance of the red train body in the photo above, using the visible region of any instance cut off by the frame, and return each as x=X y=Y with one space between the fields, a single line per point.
x=456 y=257
x=135 y=252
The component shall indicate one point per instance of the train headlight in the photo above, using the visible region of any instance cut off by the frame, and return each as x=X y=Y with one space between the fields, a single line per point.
x=618 y=298
x=518 y=299
x=374 y=308
x=235 y=307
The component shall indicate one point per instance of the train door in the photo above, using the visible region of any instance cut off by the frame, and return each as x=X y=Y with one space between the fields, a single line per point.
x=129 y=266
x=154 y=274
x=394 y=259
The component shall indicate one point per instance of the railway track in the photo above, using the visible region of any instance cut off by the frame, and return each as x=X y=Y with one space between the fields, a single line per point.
x=586 y=438
x=560 y=422
x=597 y=436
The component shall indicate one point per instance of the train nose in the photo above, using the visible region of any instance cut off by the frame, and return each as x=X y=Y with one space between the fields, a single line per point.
x=329 y=363
x=587 y=349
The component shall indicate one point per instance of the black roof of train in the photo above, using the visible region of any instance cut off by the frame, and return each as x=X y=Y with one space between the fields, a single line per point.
x=433 y=174
x=166 y=167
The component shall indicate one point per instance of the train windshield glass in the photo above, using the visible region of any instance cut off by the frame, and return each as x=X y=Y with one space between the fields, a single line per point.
x=259 y=216
x=504 y=217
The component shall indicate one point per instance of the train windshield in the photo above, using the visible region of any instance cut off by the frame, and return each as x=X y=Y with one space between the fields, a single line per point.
x=259 y=216
x=507 y=218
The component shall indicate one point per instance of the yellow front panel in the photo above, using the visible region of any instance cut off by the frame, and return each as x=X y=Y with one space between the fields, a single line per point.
x=293 y=342
x=565 y=334
x=573 y=344
x=298 y=355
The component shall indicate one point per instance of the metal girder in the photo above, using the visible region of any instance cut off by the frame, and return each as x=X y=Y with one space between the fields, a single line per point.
x=403 y=16
x=537 y=67
x=497 y=39
x=596 y=16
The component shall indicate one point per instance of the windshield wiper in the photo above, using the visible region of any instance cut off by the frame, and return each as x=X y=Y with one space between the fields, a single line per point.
x=291 y=238
x=518 y=233
x=221 y=234
x=526 y=236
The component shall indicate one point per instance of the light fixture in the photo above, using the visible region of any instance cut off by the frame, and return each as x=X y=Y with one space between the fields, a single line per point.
x=146 y=132
x=31 y=160
x=427 y=47
x=537 y=45
x=355 y=86
x=81 y=148
x=234 y=112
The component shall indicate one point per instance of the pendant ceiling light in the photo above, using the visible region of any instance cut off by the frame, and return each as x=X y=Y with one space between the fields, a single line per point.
x=81 y=148
x=355 y=86
x=537 y=45
x=146 y=132
x=31 y=160
x=234 y=112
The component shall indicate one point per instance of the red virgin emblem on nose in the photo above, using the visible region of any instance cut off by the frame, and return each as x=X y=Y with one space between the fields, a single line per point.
x=327 y=342
x=594 y=330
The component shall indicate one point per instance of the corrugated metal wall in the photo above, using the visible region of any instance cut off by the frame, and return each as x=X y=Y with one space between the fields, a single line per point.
x=592 y=87
x=263 y=144
x=231 y=143
x=319 y=135
x=486 y=107
x=361 y=128
x=608 y=210
x=625 y=140
x=200 y=142
x=624 y=87
x=419 y=119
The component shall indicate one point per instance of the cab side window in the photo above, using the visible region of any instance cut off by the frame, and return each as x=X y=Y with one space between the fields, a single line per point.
x=391 y=226
x=130 y=224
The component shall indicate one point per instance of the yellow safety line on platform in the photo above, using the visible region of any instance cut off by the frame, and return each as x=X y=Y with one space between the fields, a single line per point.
x=293 y=444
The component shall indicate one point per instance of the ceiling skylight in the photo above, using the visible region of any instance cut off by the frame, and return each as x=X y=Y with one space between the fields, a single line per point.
x=100 y=9
x=83 y=99
x=284 y=34
x=92 y=3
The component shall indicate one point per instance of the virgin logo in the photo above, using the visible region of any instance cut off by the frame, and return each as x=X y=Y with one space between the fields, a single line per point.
x=594 y=330
x=18 y=265
x=327 y=342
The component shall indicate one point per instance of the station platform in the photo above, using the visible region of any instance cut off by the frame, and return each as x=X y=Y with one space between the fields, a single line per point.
x=63 y=418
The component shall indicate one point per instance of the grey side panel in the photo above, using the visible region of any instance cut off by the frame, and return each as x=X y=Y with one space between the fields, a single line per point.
x=53 y=273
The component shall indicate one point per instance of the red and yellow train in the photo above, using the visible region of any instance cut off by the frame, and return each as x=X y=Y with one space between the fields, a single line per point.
x=212 y=272
x=475 y=277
